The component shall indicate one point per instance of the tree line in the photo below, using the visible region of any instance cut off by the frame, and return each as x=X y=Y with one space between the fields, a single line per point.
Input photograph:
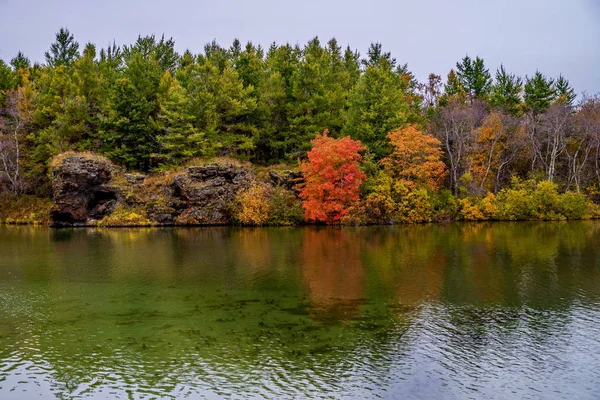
x=149 y=108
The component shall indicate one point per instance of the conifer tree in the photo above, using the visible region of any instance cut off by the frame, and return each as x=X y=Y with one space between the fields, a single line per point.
x=179 y=139
x=64 y=51
x=506 y=91
x=564 y=92
x=474 y=77
x=539 y=93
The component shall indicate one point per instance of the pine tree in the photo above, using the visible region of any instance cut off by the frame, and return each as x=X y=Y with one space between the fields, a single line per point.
x=64 y=51
x=506 y=91
x=539 y=93
x=565 y=94
x=453 y=87
x=221 y=106
x=380 y=103
x=474 y=77
x=20 y=62
x=179 y=139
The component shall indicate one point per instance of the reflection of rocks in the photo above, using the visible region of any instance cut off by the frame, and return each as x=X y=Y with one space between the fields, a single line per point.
x=81 y=190
x=209 y=191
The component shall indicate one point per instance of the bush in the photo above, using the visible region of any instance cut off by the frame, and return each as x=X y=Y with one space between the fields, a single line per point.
x=286 y=208
x=474 y=209
x=25 y=209
x=252 y=205
x=575 y=206
x=126 y=216
x=540 y=201
x=415 y=207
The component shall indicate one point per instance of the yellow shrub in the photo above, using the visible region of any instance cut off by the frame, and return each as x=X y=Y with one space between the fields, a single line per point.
x=253 y=205
x=473 y=209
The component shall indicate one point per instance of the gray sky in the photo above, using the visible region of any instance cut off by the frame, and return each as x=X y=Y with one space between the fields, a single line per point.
x=554 y=36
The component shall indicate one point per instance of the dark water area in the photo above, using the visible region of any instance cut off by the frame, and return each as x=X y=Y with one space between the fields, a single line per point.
x=459 y=311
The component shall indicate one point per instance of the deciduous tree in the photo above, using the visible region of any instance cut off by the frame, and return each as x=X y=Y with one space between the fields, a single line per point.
x=332 y=178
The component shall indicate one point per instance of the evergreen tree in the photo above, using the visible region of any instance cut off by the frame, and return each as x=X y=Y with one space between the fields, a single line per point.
x=221 y=106
x=565 y=94
x=539 y=93
x=64 y=51
x=179 y=139
x=6 y=79
x=380 y=103
x=20 y=62
x=453 y=87
x=506 y=91
x=275 y=141
x=474 y=77
x=129 y=131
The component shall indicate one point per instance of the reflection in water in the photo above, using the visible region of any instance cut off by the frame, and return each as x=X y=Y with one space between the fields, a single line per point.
x=504 y=310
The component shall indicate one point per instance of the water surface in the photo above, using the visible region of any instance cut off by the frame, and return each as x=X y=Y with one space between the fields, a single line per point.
x=460 y=311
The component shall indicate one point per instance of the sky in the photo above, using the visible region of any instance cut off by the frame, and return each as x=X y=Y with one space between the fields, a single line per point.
x=552 y=36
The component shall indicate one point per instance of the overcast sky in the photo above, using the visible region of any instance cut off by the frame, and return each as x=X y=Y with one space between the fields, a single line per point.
x=554 y=36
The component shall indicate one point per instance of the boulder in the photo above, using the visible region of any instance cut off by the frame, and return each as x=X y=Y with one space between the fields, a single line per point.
x=287 y=179
x=209 y=192
x=81 y=190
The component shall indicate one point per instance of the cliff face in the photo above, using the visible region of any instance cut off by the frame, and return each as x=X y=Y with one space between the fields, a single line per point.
x=81 y=190
x=90 y=191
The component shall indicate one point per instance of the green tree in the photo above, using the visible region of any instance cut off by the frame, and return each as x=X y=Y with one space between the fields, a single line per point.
x=20 y=62
x=474 y=77
x=6 y=80
x=179 y=139
x=380 y=103
x=506 y=91
x=129 y=130
x=221 y=106
x=565 y=94
x=64 y=51
x=453 y=87
x=539 y=93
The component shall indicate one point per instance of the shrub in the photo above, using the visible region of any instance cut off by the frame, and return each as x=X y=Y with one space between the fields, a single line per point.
x=253 y=205
x=474 y=209
x=285 y=207
x=574 y=206
x=126 y=216
x=415 y=207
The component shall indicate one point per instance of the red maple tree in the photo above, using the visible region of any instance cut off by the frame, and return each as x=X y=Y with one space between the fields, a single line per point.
x=332 y=178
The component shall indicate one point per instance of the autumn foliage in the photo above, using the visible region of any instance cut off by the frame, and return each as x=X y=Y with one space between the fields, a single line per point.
x=416 y=160
x=253 y=206
x=332 y=178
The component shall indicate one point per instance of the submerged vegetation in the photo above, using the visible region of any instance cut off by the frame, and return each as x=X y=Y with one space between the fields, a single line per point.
x=374 y=144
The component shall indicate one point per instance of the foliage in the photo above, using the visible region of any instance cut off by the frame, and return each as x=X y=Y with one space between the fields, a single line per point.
x=252 y=205
x=528 y=200
x=474 y=209
x=126 y=216
x=25 y=209
x=416 y=159
x=148 y=108
x=285 y=208
x=332 y=178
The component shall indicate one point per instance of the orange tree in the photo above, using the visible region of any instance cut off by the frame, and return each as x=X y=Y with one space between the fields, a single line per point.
x=416 y=159
x=332 y=178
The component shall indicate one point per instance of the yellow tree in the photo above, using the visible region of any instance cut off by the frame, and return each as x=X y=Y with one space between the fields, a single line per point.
x=416 y=159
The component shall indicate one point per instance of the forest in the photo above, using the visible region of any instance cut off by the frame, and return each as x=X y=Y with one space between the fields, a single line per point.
x=375 y=145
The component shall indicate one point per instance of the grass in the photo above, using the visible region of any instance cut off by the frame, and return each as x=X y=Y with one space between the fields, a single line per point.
x=25 y=210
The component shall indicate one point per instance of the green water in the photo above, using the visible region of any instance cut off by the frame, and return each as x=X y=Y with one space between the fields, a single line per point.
x=483 y=311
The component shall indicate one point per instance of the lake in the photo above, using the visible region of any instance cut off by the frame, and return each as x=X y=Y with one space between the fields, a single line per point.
x=457 y=311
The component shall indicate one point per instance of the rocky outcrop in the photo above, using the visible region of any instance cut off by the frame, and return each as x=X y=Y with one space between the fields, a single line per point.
x=209 y=191
x=82 y=193
x=87 y=189
x=289 y=180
